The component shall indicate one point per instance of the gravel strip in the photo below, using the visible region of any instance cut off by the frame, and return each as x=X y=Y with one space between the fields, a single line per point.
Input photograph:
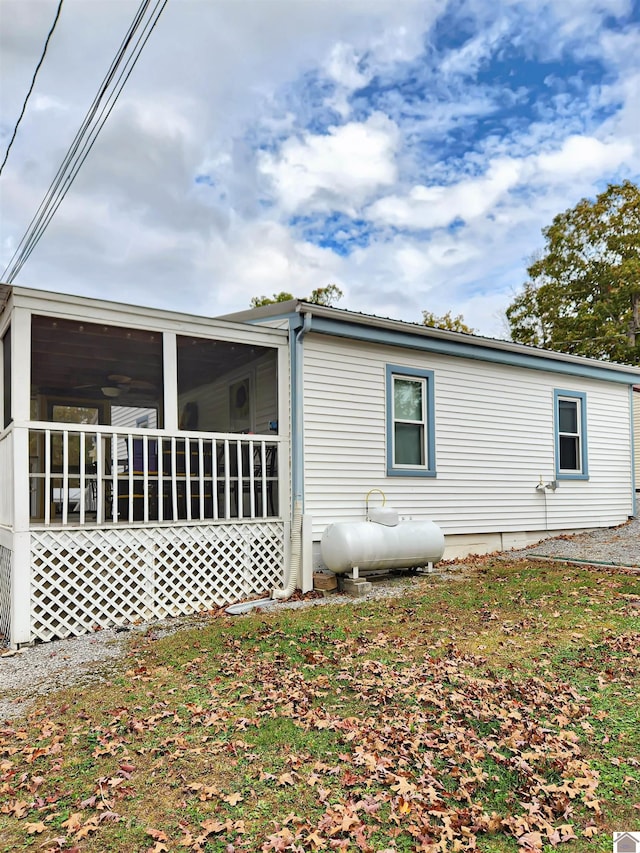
x=31 y=672
x=617 y=546
x=36 y=671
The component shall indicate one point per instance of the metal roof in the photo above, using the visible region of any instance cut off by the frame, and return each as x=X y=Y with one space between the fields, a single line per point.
x=340 y=315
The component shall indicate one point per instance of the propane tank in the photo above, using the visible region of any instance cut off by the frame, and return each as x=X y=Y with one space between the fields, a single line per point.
x=379 y=545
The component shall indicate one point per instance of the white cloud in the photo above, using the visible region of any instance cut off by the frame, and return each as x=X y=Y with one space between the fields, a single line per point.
x=335 y=171
x=42 y=103
x=467 y=59
x=438 y=206
x=342 y=67
x=243 y=102
x=426 y=207
x=261 y=258
x=582 y=155
x=578 y=21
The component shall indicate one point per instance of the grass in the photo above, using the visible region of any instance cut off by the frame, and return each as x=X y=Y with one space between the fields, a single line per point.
x=499 y=713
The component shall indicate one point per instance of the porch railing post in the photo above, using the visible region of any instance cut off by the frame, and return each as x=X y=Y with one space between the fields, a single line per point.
x=21 y=557
x=20 y=410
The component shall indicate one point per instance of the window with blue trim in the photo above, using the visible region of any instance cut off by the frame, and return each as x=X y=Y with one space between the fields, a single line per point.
x=410 y=422
x=571 y=435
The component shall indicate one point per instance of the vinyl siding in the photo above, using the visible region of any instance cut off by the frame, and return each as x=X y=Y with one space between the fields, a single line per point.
x=636 y=436
x=494 y=429
x=126 y=416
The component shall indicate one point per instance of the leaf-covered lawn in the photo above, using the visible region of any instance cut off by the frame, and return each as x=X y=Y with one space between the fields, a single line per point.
x=497 y=712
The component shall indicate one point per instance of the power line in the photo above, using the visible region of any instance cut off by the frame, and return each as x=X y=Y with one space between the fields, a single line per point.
x=82 y=143
x=79 y=148
x=33 y=82
x=99 y=111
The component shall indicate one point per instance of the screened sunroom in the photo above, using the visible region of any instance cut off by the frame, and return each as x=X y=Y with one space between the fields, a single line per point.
x=143 y=463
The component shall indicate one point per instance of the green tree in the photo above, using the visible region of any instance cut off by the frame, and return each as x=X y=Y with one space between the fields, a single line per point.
x=583 y=295
x=325 y=295
x=320 y=296
x=258 y=301
x=451 y=324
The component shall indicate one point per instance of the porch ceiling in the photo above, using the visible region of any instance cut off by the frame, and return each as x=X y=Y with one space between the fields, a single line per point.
x=74 y=359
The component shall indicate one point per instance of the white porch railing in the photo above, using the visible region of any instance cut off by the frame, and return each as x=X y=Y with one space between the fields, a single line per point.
x=88 y=474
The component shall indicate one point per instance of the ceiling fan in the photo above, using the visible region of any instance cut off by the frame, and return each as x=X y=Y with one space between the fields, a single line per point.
x=117 y=385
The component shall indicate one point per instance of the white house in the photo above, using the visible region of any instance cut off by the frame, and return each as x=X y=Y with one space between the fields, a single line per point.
x=154 y=463
x=497 y=443
x=636 y=437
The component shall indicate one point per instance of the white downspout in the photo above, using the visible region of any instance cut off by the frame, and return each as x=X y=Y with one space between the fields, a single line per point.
x=296 y=553
x=298 y=462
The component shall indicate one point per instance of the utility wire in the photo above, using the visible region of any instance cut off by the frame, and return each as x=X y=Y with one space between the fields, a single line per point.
x=99 y=111
x=67 y=170
x=80 y=146
x=84 y=128
x=33 y=82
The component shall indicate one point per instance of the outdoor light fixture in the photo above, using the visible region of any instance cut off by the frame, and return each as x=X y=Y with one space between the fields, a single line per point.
x=110 y=391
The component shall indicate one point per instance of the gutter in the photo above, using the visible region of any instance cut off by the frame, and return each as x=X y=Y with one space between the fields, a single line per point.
x=297 y=460
x=368 y=327
x=342 y=315
x=297 y=410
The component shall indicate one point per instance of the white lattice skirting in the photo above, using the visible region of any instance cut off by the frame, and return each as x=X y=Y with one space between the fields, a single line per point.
x=85 y=579
x=5 y=595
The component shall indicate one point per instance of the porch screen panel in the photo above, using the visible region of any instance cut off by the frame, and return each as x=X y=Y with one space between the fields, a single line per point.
x=78 y=365
x=226 y=386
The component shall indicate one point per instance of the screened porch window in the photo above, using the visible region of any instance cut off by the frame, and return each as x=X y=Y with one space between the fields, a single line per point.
x=83 y=370
x=226 y=386
x=410 y=422
x=571 y=435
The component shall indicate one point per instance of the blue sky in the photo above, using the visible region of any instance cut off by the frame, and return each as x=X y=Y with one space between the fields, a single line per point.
x=410 y=152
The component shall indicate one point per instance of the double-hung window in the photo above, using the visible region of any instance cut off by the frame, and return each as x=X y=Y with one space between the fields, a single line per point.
x=571 y=435
x=410 y=422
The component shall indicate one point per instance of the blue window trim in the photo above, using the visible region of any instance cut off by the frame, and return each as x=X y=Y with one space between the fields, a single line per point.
x=583 y=474
x=393 y=370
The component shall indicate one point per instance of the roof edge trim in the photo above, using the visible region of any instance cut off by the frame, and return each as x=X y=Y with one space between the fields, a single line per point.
x=531 y=359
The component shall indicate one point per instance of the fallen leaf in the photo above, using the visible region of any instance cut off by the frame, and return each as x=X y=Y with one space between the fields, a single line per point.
x=531 y=840
x=233 y=799
x=73 y=822
x=213 y=826
x=157 y=834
